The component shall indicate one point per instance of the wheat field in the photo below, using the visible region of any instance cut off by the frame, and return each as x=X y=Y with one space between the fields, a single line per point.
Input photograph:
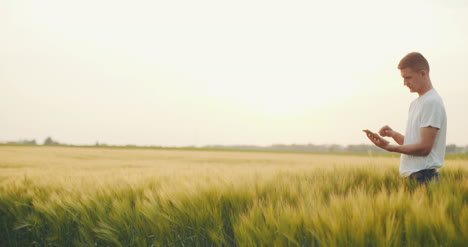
x=84 y=196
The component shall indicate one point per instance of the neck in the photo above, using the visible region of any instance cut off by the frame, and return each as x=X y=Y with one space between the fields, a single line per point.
x=426 y=88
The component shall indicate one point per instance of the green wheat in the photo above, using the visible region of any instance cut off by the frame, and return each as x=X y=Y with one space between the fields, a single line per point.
x=64 y=196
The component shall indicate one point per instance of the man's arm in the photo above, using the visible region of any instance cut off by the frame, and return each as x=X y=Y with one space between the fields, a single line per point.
x=399 y=138
x=421 y=148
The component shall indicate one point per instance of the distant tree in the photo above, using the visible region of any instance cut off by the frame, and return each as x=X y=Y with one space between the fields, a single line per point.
x=23 y=142
x=335 y=148
x=460 y=149
x=49 y=141
x=29 y=142
x=452 y=148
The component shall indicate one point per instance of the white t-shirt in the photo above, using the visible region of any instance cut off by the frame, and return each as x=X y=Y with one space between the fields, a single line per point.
x=426 y=110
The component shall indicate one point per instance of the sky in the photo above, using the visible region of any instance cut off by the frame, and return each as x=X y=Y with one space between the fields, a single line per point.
x=194 y=73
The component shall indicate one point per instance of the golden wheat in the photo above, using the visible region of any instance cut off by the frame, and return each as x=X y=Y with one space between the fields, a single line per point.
x=66 y=196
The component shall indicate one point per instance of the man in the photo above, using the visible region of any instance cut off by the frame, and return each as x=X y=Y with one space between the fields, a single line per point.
x=422 y=147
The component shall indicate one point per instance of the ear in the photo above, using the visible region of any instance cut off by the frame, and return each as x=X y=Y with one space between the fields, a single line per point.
x=423 y=73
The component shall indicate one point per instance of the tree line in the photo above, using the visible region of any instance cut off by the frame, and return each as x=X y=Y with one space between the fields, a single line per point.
x=332 y=148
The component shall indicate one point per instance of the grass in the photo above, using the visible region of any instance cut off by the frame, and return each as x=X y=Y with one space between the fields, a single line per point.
x=77 y=196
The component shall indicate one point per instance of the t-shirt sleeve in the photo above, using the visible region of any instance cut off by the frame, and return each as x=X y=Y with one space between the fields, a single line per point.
x=433 y=114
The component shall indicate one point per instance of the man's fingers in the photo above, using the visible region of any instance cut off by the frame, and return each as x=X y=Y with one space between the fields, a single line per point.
x=383 y=132
x=373 y=138
x=376 y=139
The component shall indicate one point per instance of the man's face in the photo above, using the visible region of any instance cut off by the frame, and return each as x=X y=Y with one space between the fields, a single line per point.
x=413 y=80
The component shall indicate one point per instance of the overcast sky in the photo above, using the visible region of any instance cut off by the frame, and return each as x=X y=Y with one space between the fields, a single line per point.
x=177 y=73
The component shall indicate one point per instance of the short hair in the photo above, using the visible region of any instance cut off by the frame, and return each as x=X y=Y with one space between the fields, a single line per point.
x=414 y=61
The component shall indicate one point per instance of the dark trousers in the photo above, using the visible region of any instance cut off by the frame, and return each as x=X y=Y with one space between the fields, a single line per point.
x=425 y=176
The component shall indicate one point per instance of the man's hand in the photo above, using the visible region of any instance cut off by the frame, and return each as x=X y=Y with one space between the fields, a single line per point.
x=386 y=131
x=378 y=141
